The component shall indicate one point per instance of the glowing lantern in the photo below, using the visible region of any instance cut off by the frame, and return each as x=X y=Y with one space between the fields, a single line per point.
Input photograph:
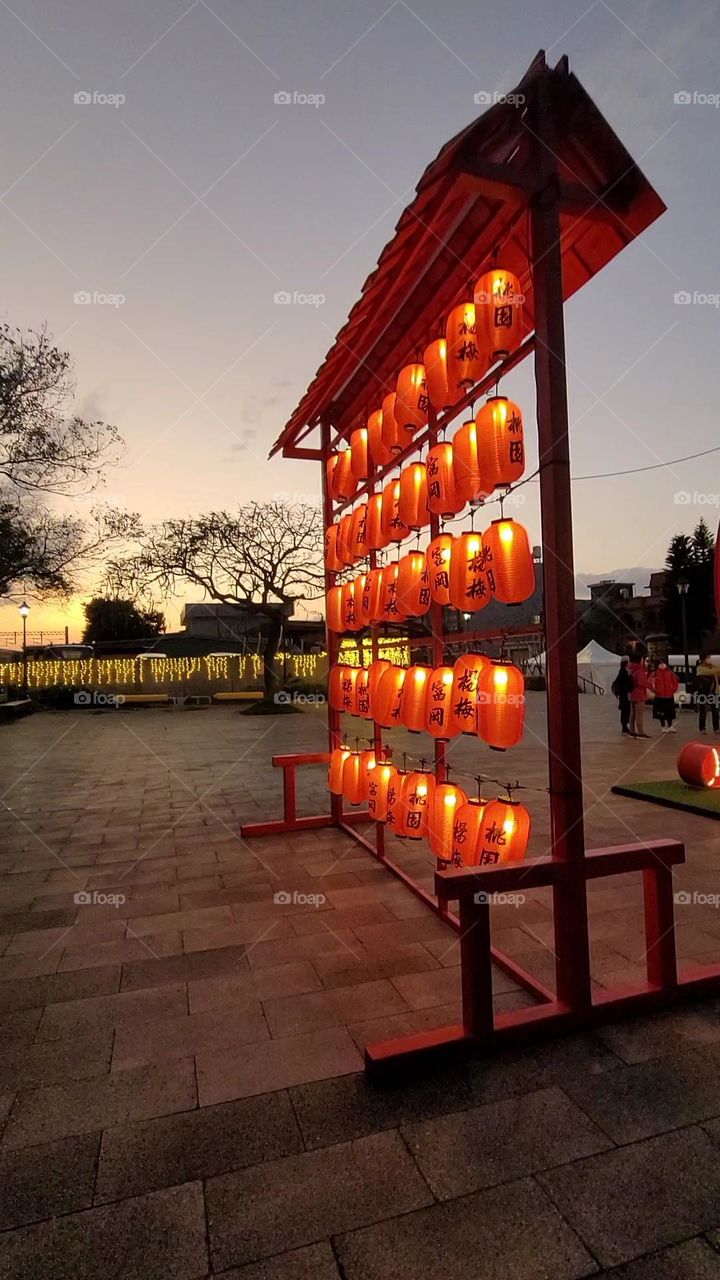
x=442 y=495
x=349 y=607
x=438 y=702
x=379 y=452
x=511 y=562
x=335 y=772
x=344 y=538
x=412 y=500
x=444 y=804
x=500 y=443
x=389 y=608
x=471 y=585
x=436 y=375
x=359 y=453
x=393 y=528
x=470 y=484
x=342 y=686
x=357 y=544
x=379 y=781
x=362 y=693
x=439 y=554
x=412 y=702
x=332 y=561
x=411 y=400
x=386 y=700
x=498 y=308
x=393 y=437
x=466 y=362
x=370 y=603
x=415 y=795
x=504 y=833
x=341 y=481
x=699 y=765
x=352 y=778
x=501 y=705
x=466 y=675
x=467 y=830
x=413 y=585
x=334 y=609
x=377 y=671
x=375 y=537
x=367 y=764
x=394 y=797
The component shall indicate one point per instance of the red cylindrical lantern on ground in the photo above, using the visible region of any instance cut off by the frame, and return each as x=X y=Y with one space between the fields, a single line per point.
x=501 y=705
x=466 y=360
x=413 y=585
x=342 y=687
x=353 y=780
x=471 y=586
x=466 y=833
x=504 y=833
x=332 y=560
x=362 y=693
x=392 y=437
x=412 y=702
x=335 y=772
x=699 y=765
x=436 y=375
x=370 y=602
x=379 y=781
x=442 y=496
x=438 y=555
x=445 y=802
x=411 y=399
x=466 y=674
x=498 y=310
x=357 y=545
x=379 y=452
x=393 y=528
x=470 y=484
x=341 y=480
x=386 y=701
x=334 y=609
x=413 y=498
x=415 y=795
x=349 y=607
x=344 y=538
x=511 y=563
x=438 y=701
x=500 y=443
x=377 y=671
x=359 y=453
x=375 y=537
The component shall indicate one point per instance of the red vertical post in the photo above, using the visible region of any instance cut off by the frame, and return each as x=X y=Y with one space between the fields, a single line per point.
x=332 y=642
x=660 y=926
x=476 y=967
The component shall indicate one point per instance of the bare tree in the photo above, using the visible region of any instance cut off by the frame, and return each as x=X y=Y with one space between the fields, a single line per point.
x=264 y=557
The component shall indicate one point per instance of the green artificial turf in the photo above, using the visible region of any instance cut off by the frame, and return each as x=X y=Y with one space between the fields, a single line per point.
x=676 y=795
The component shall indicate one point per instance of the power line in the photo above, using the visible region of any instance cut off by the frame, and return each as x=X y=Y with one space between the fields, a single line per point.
x=656 y=466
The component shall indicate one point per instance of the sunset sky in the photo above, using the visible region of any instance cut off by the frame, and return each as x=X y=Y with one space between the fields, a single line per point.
x=199 y=197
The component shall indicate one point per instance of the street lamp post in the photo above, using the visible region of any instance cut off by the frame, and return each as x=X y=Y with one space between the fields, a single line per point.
x=24 y=611
x=683 y=585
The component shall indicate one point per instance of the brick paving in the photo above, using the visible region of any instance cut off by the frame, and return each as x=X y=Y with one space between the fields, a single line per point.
x=181 y=1087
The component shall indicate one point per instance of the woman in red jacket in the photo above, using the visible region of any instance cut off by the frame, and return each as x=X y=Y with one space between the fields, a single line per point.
x=637 y=668
x=664 y=683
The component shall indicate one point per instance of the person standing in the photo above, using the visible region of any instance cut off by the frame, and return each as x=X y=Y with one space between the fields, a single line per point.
x=707 y=679
x=621 y=687
x=664 y=684
x=637 y=669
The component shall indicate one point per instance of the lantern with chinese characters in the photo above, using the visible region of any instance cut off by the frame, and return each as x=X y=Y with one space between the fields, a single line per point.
x=442 y=495
x=413 y=585
x=412 y=501
x=334 y=609
x=466 y=833
x=415 y=795
x=375 y=536
x=438 y=701
x=357 y=545
x=390 y=609
x=470 y=483
x=386 y=700
x=370 y=602
x=341 y=481
x=500 y=443
x=394 y=795
x=466 y=674
x=411 y=400
x=466 y=360
x=379 y=452
x=504 y=833
x=438 y=555
x=377 y=671
x=699 y=765
x=349 y=606
x=332 y=561
x=342 y=686
x=379 y=781
x=511 y=561
x=367 y=764
x=353 y=778
x=344 y=539
x=445 y=802
x=412 y=702
x=393 y=528
x=498 y=309
x=393 y=437
x=436 y=375
x=471 y=581
x=335 y=772
x=501 y=705
x=362 y=693
x=359 y=453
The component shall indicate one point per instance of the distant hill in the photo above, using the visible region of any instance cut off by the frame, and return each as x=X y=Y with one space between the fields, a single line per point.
x=638 y=576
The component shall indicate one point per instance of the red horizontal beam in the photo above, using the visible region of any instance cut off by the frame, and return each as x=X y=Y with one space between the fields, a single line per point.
x=307 y=757
x=281 y=826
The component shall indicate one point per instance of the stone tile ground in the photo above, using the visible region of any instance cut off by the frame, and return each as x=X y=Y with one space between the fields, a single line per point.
x=181 y=1087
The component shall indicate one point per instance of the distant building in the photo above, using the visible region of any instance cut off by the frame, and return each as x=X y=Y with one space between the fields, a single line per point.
x=238 y=626
x=615 y=616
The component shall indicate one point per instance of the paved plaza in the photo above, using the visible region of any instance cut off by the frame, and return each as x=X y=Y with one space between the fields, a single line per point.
x=181 y=1084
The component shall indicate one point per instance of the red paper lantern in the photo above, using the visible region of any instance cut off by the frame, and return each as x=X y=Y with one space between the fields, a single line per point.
x=436 y=375
x=467 y=830
x=370 y=600
x=362 y=693
x=390 y=609
x=413 y=497
x=511 y=561
x=393 y=528
x=335 y=772
x=332 y=560
x=504 y=833
x=445 y=802
x=342 y=687
x=334 y=609
x=500 y=443
x=352 y=778
x=411 y=399
x=501 y=705
x=343 y=542
x=699 y=765
x=498 y=309
x=386 y=700
x=379 y=452
x=415 y=795
x=393 y=437
x=438 y=702
x=379 y=781
x=357 y=545
x=367 y=764
x=341 y=481
x=377 y=671
x=413 y=585
x=394 y=796
x=471 y=585
x=466 y=675
x=439 y=555
x=442 y=495
x=359 y=453
x=470 y=483
x=412 y=702
x=350 y=618
x=466 y=360
x=375 y=536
